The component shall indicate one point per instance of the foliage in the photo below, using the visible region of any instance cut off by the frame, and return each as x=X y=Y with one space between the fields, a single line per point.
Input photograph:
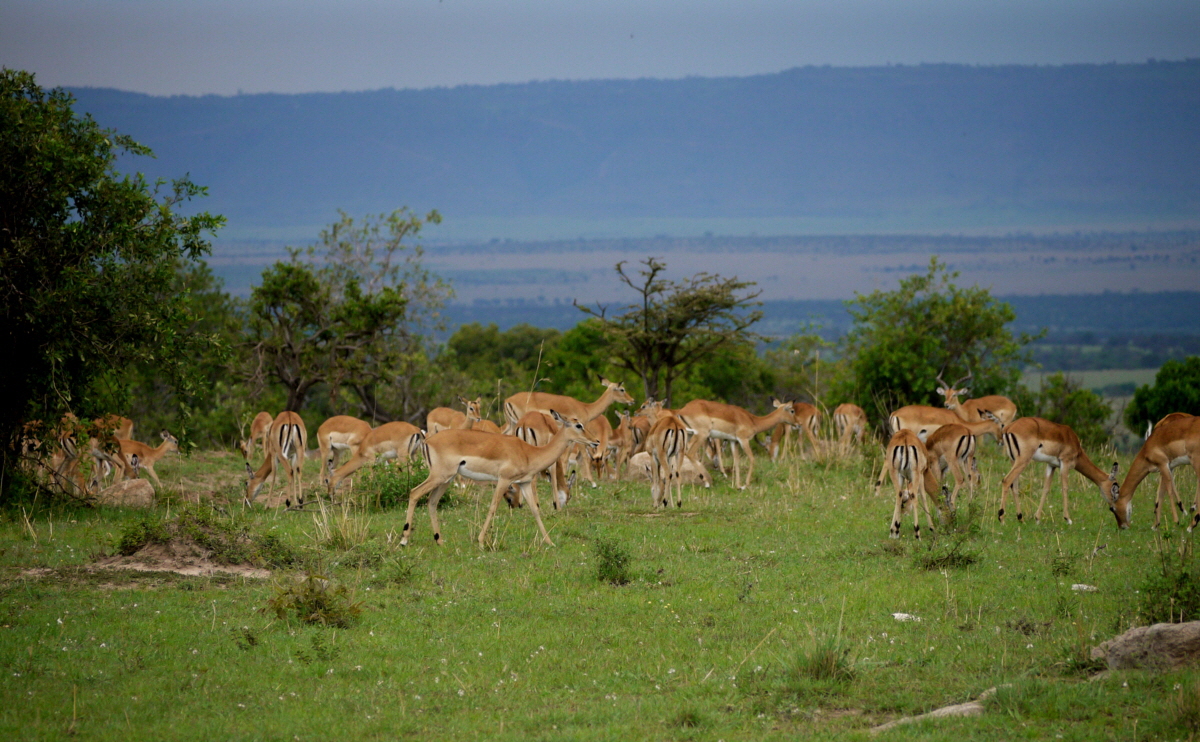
x=675 y=324
x=901 y=340
x=315 y=600
x=388 y=485
x=1063 y=400
x=612 y=562
x=1176 y=388
x=499 y=363
x=947 y=556
x=802 y=366
x=1171 y=592
x=88 y=259
x=348 y=312
x=733 y=373
x=229 y=542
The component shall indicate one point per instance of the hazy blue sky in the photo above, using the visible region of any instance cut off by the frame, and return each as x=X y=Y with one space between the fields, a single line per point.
x=288 y=46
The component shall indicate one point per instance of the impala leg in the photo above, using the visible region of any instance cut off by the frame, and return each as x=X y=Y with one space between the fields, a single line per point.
x=1066 y=503
x=416 y=494
x=898 y=511
x=915 y=498
x=1046 y=481
x=745 y=442
x=501 y=487
x=537 y=514
x=1012 y=482
x=434 y=497
x=1196 y=506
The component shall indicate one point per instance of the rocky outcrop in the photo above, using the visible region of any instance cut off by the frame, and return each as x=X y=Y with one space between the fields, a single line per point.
x=1163 y=646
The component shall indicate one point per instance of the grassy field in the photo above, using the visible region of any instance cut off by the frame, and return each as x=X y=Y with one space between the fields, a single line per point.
x=759 y=614
x=1096 y=379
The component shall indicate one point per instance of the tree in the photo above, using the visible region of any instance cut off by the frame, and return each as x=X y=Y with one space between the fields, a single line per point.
x=347 y=312
x=675 y=323
x=1176 y=388
x=87 y=261
x=901 y=340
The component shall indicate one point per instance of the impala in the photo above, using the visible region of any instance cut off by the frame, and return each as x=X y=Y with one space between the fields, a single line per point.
x=106 y=454
x=950 y=447
x=286 y=441
x=851 y=423
x=522 y=402
x=395 y=440
x=1173 y=441
x=537 y=429
x=602 y=430
x=690 y=471
x=921 y=419
x=907 y=461
x=444 y=418
x=808 y=420
x=339 y=433
x=971 y=410
x=1034 y=439
x=137 y=455
x=667 y=445
x=258 y=432
x=625 y=438
x=717 y=421
x=485 y=457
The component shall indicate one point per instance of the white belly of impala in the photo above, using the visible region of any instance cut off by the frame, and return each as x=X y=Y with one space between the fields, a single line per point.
x=722 y=436
x=478 y=476
x=1179 y=461
x=1046 y=458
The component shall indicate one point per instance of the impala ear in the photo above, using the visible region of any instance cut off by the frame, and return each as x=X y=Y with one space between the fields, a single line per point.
x=557 y=417
x=941 y=391
x=605 y=381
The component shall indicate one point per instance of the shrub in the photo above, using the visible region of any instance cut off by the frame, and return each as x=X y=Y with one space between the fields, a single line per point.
x=612 y=564
x=315 y=600
x=951 y=556
x=1064 y=401
x=1171 y=592
x=390 y=485
x=1176 y=388
x=228 y=542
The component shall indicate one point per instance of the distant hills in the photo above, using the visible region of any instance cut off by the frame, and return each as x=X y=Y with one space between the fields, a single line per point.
x=927 y=148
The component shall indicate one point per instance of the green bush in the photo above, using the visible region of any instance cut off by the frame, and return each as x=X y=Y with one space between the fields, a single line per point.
x=229 y=543
x=389 y=485
x=1064 y=401
x=1176 y=388
x=612 y=562
x=1171 y=592
x=315 y=600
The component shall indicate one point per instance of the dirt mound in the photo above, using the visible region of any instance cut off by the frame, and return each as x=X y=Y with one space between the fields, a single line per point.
x=179 y=554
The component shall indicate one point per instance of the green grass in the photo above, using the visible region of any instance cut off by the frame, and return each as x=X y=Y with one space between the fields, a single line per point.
x=1096 y=379
x=762 y=614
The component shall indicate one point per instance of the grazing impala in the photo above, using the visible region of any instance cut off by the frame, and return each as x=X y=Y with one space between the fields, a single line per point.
x=851 y=423
x=395 y=440
x=808 y=422
x=339 y=433
x=258 y=432
x=1173 y=441
x=717 y=421
x=971 y=410
x=1034 y=439
x=522 y=402
x=486 y=457
x=286 y=441
x=907 y=461
x=950 y=447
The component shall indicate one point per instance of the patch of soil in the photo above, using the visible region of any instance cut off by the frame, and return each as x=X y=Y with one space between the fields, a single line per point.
x=181 y=555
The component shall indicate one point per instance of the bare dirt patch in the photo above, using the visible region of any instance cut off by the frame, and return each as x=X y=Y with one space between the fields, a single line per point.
x=181 y=555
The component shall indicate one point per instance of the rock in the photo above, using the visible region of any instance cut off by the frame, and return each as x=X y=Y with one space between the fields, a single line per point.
x=132 y=493
x=1163 y=646
x=970 y=708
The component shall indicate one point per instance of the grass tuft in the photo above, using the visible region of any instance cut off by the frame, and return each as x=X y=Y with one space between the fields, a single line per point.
x=1171 y=592
x=315 y=600
x=612 y=562
x=951 y=556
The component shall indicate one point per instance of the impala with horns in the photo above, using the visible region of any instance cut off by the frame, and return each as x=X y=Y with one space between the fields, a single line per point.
x=486 y=457
x=395 y=440
x=1174 y=441
x=907 y=462
x=569 y=407
x=1030 y=439
x=971 y=410
x=286 y=442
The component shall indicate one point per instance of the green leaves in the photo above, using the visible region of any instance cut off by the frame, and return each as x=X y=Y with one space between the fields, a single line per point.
x=1176 y=388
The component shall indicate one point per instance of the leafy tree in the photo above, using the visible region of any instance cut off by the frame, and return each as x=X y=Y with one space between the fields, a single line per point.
x=1176 y=388
x=675 y=324
x=88 y=258
x=901 y=340
x=803 y=368
x=1063 y=400
x=347 y=313
x=733 y=373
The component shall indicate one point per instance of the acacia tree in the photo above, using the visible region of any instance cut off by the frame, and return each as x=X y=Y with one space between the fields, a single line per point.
x=88 y=257
x=348 y=312
x=675 y=323
x=902 y=340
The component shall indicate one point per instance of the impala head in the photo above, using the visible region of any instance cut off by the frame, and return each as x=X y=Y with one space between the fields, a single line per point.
x=789 y=407
x=1121 y=507
x=619 y=393
x=576 y=431
x=472 y=407
x=172 y=443
x=953 y=394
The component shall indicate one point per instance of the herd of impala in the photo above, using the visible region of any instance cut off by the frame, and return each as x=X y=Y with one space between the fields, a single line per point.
x=547 y=433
